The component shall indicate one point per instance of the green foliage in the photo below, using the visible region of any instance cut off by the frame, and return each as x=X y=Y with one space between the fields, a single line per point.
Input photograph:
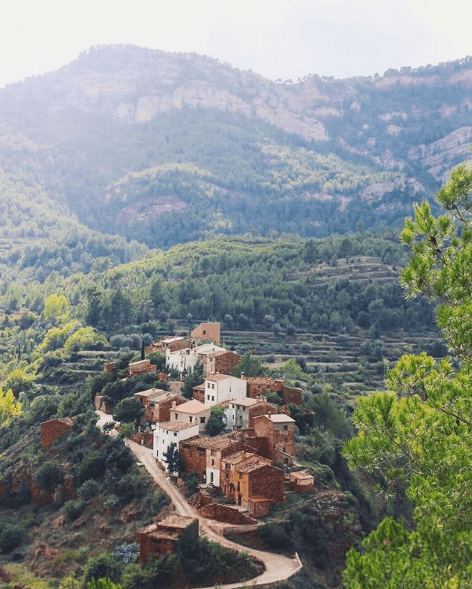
x=173 y=460
x=418 y=432
x=88 y=489
x=192 y=379
x=128 y=410
x=92 y=466
x=73 y=508
x=216 y=422
x=56 y=309
x=8 y=406
x=11 y=535
x=85 y=338
x=250 y=365
x=102 y=566
x=49 y=475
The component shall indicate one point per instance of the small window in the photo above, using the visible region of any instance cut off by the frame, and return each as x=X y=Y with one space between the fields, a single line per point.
x=212 y=385
x=175 y=434
x=212 y=462
x=202 y=420
x=285 y=427
x=227 y=466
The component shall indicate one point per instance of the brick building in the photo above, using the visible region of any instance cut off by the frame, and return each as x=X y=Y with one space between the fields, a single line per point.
x=240 y=413
x=206 y=332
x=157 y=404
x=220 y=361
x=301 y=481
x=252 y=482
x=203 y=455
x=141 y=367
x=159 y=539
x=258 y=385
x=279 y=430
x=53 y=429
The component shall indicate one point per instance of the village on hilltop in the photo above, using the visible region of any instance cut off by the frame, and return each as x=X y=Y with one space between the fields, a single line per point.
x=253 y=459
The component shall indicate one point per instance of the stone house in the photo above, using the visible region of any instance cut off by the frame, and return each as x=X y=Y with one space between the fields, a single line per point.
x=240 y=413
x=220 y=361
x=171 y=433
x=301 y=481
x=206 y=332
x=159 y=539
x=252 y=482
x=279 y=430
x=203 y=455
x=258 y=385
x=157 y=405
x=192 y=412
x=53 y=429
x=141 y=367
x=221 y=387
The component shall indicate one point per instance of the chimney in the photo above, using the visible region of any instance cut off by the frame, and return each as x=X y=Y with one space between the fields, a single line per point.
x=242 y=375
x=174 y=403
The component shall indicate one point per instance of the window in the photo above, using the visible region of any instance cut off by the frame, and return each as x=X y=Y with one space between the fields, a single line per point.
x=175 y=434
x=190 y=418
x=202 y=420
x=285 y=427
x=227 y=466
x=208 y=397
x=213 y=462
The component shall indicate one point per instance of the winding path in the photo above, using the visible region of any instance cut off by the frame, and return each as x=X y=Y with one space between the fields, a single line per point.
x=277 y=568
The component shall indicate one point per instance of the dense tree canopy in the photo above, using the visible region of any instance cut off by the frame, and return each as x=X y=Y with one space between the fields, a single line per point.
x=419 y=431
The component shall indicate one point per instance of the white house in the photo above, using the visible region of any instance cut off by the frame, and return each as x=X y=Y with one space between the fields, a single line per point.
x=192 y=412
x=221 y=387
x=170 y=433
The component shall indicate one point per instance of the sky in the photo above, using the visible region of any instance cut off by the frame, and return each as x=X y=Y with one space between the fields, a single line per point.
x=279 y=39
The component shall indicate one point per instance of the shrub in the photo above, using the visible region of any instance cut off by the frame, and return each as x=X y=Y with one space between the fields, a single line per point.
x=88 y=489
x=11 y=535
x=112 y=502
x=49 y=476
x=73 y=508
x=102 y=566
x=91 y=467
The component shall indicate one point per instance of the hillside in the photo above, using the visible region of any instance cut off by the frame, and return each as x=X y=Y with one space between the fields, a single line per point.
x=167 y=148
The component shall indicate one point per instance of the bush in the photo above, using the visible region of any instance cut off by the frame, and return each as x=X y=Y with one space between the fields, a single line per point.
x=11 y=535
x=102 y=566
x=112 y=502
x=73 y=508
x=91 y=467
x=88 y=489
x=49 y=476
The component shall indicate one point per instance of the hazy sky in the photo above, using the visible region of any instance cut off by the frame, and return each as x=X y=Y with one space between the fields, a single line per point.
x=284 y=39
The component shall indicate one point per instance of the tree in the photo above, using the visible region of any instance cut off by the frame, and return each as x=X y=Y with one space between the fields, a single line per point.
x=56 y=309
x=128 y=410
x=8 y=406
x=216 y=422
x=175 y=464
x=419 y=431
x=193 y=379
x=250 y=365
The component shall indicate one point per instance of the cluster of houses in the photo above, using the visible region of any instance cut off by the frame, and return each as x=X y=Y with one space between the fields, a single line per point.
x=248 y=462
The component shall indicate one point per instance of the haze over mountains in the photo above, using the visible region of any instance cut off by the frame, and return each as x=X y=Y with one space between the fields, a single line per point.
x=166 y=148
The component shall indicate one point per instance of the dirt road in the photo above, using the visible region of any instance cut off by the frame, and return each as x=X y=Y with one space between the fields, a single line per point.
x=277 y=567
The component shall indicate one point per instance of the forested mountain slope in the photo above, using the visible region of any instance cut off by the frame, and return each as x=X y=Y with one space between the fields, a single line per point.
x=166 y=148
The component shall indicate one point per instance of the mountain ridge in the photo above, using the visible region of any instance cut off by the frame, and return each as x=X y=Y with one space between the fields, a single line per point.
x=313 y=157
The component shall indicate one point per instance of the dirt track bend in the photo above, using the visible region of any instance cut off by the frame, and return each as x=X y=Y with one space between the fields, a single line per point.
x=277 y=567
